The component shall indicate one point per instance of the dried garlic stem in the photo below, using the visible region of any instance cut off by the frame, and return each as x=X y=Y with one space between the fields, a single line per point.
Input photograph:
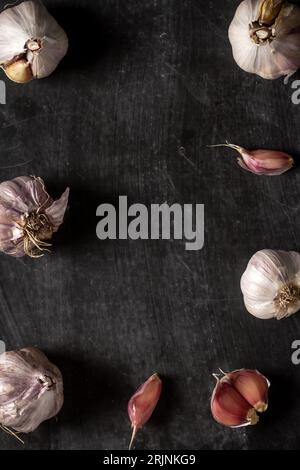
x=11 y=433
x=232 y=146
x=134 y=431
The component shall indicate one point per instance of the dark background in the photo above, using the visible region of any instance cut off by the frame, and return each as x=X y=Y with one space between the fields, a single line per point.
x=146 y=86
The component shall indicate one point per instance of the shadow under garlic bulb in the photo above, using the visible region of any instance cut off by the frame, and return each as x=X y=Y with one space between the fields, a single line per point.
x=265 y=37
x=31 y=41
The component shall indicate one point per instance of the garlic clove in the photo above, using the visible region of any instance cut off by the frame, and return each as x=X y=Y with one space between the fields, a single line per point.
x=262 y=162
x=19 y=71
x=266 y=162
x=229 y=408
x=253 y=386
x=143 y=403
x=269 y=11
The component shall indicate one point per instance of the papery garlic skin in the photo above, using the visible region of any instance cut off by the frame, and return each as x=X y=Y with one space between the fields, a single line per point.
x=31 y=41
x=28 y=216
x=271 y=284
x=143 y=403
x=268 y=50
x=31 y=389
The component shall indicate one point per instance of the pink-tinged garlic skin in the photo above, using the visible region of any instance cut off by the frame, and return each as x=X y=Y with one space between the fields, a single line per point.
x=229 y=408
x=253 y=386
x=143 y=402
x=18 y=198
x=261 y=162
x=265 y=162
x=31 y=389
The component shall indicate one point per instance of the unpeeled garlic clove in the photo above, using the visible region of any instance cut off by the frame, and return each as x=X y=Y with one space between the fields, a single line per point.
x=253 y=386
x=19 y=71
x=143 y=403
x=262 y=162
x=229 y=408
x=269 y=11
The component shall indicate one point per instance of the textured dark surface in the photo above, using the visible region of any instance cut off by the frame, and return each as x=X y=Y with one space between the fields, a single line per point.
x=146 y=86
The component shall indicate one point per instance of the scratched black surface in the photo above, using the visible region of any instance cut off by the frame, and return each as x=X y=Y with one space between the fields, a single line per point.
x=145 y=87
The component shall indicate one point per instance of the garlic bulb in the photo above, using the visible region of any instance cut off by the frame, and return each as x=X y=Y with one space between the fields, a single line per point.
x=271 y=284
x=31 y=41
x=28 y=216
x=31 y=389
x=265 y=37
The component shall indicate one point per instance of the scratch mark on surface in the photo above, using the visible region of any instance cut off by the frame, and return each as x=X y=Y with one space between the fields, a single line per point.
x=170 y=181
x=16 y=165
x=39 y=116
x=274 y=200
x=181 y=152
x=184 y=264
x=14 y=147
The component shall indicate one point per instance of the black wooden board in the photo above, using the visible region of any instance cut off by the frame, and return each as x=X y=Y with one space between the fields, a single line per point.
x=146 y=86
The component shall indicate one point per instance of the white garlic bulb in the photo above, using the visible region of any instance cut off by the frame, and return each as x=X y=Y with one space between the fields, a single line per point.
x=31 y=389
x=28 y=216
x=31 y=41
x=271 y=284
x=265 y=37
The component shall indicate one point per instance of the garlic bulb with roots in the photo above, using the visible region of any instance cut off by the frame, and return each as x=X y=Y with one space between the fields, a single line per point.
x=31 y=41
x=28 y=216
x=265 y=37
x=31 y=390
x=271 y=284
